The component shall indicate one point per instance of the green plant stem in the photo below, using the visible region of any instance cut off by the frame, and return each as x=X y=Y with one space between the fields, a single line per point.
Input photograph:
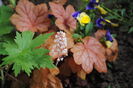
x=113 y=13
x=2 y=79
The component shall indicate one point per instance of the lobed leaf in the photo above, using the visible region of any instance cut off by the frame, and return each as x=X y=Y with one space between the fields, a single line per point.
x=62 y=2
x=31 y=17
x=44 y=78
x=24 y=55
x=64 y=21
x=90 y=54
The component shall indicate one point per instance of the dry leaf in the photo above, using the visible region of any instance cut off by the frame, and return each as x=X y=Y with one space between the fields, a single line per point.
x=100 y=34
x=112 y=52
x=64 y=21
x=65 y=70
x=44 y=79
x=62 y=2
x=54 y=71
x=74 y=67
x=90 y=54
x=31 y=17
x=82 y=74
x=70 y=40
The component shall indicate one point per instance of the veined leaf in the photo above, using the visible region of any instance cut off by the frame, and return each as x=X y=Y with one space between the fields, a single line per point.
x=24 y=54
x=31 y=17
x=64 y=21
x=90 y=54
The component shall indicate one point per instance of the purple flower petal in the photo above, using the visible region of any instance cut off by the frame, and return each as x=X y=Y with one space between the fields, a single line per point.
x=92 y=5
x=99 y=22
x=75 y=14
x=108 y=36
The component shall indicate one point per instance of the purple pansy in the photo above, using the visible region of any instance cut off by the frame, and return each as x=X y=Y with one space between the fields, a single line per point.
x=108 y=36
x=75 y=14
x=92 y=4
x=100 y=22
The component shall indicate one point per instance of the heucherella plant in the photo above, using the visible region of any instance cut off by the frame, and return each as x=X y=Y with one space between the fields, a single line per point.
x=46 y=36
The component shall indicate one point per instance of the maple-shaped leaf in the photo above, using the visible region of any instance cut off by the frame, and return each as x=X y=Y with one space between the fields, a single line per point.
x=64 y=21
x=90 y=54
x=23 y=54
x=31 y=17
x=62 y=2
x=43 y=78
x=112 y=52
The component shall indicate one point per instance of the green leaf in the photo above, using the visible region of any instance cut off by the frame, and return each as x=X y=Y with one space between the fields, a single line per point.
x=88 y=28
x=5 y=25
x=40 y=39
x=130 y=30
x=76 y=36
x=2 y=49
x=13 y=2
x=123 y=12
x=24 y=55
x=114 y=35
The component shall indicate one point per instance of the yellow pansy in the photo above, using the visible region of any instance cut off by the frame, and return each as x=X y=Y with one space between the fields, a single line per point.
x=108 y=44
x=103 y=11
x=83 y=18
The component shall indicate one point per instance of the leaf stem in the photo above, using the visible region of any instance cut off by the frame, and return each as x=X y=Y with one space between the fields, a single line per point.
x=2 y=78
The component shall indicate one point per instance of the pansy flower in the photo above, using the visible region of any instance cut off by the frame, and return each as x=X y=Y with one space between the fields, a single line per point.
x=109 y=39
x=75 y=14
x=100 y=22
x=108 y=36
x=92 y=4
x=102 y=11
x=83 y=18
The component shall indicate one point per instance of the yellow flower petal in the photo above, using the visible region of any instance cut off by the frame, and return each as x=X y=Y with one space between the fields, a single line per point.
x=103 y=11
x=108 y=44
x=83 y=18
x=114 y=25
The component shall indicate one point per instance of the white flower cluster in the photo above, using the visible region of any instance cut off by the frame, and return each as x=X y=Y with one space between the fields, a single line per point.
x=60 y=46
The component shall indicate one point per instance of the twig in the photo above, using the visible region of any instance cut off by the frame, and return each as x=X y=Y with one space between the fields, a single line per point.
x=2 y=79
x=12 y=77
